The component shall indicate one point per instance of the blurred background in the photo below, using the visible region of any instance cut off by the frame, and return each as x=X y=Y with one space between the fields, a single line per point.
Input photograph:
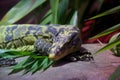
x=90 y=27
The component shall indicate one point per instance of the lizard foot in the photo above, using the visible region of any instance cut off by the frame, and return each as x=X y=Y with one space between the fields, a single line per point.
x=82 y=55
x=7 y=61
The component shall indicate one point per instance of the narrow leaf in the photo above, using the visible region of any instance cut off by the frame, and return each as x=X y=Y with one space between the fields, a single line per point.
x=34 y=67
x=46 y=63
x=116 y=49
x=108 y=31
x=62 y=8
x=54 y=8
x=17 y=68
x=40 y=62
x=21 y=66
x=108 y=12
x=81 y=7
x=115 y=75
x=109 y=46
x=43 y=63
x=74 y=20
x=20 y=10
x=28 y=66
x=13 y=53
x=50 y=62
x=47 y=18
x=38 y=57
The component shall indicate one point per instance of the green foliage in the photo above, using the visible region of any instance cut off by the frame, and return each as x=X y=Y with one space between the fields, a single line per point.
x=108 y=31
x=115 y=75
x=20 y=10
x=47 y=18
x=60 y=12
x=114 y=44
x=115 y=49
x=109 y=46
x=54 y=7
x=108 y=12
x=31 y=64
x=13 y=53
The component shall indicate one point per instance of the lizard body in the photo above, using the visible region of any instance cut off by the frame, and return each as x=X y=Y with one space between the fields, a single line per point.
x=56 y=41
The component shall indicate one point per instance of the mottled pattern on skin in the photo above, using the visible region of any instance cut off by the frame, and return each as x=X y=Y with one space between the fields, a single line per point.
x=9 y=33
x=42 y=46
x=34 y=30
x=49 y=39
x=52 y=30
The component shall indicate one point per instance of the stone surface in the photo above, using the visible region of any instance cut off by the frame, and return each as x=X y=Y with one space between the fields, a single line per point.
x=103 y=66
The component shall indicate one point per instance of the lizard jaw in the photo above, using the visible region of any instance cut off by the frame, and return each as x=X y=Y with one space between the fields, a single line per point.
x=51 y=56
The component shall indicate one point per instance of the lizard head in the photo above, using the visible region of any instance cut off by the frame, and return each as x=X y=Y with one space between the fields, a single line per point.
x=65 y=44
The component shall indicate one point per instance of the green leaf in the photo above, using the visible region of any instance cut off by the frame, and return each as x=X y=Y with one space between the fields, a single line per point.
x=54 y=8
x=13 y=53
x=115 y=75
x=81 y=7
x=38 y=57
x=39 y=65
x=19 y=65
x=28 y=61
x=32 y=64
x=50 y=62
x=17 y=68
x=62 y=8
x=108 y=31
x=28 y=66
x=47 y=18
x=66 y=18
x=20 y=10
x=22 y=66
x=109 y=46
x=108 y=12
x=116 y=49
x=35 y=66
x=45 y=64
x=73 y=20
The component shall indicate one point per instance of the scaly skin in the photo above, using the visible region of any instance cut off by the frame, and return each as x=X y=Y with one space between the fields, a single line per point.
x=56 y=41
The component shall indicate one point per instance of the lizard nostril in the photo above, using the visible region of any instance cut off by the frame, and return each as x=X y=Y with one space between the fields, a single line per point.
x=57 y=50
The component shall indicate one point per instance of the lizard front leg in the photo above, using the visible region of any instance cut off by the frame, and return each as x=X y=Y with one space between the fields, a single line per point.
x=80 y=55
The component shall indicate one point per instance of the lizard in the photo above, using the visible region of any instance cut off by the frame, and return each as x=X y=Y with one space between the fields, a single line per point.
x=55 y=41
